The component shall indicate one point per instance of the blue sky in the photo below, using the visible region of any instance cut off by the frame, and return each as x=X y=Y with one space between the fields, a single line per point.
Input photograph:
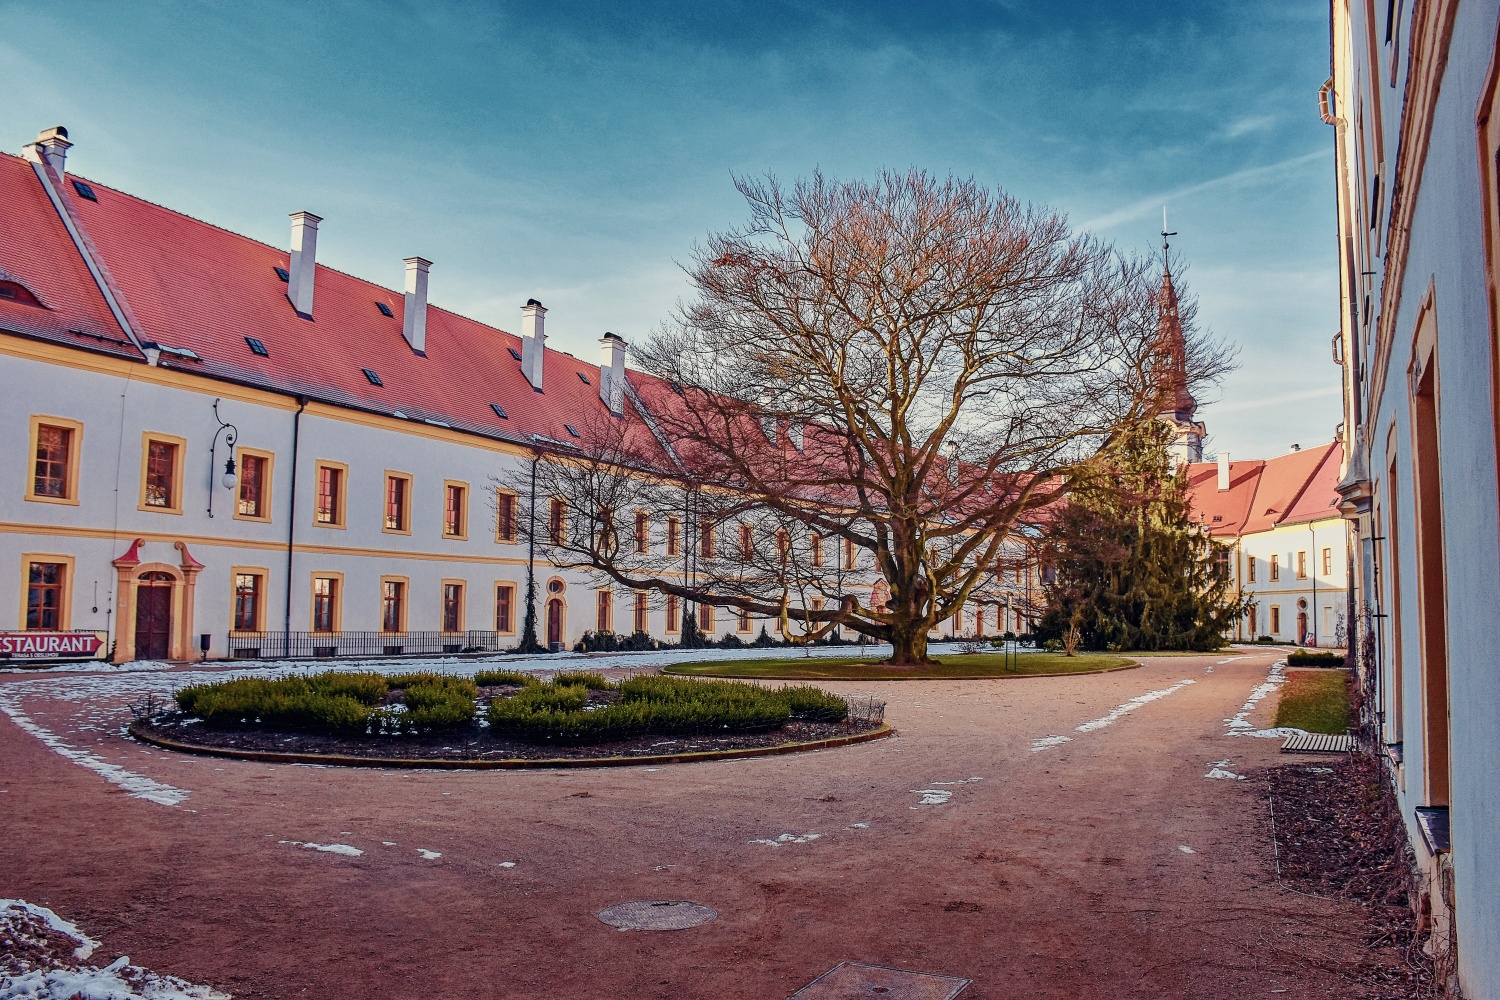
x=573 y=151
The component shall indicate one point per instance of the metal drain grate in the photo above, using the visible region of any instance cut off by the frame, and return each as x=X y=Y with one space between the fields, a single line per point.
x=1317 y=743
x=657 y=915
x=851 y=980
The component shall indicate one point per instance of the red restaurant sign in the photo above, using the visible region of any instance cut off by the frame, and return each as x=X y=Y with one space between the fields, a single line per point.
x=54 y=644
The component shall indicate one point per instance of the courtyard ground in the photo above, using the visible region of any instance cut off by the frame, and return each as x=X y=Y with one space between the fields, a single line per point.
x=1093 y=836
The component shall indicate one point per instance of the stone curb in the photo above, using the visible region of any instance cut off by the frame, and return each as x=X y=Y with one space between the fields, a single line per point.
x=272 y=757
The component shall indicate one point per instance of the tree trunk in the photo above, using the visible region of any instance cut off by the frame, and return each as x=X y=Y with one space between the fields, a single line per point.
x=908 y=646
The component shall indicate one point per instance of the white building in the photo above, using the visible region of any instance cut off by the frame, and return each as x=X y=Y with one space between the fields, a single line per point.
x=148 y=357
x=1412 y=104
x=1288 y=542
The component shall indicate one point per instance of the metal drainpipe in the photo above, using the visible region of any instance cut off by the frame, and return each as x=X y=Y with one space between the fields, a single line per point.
x=291 y=528
x=1314 y=609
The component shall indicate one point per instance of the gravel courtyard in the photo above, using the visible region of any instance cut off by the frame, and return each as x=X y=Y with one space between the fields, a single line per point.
x=1044 y=837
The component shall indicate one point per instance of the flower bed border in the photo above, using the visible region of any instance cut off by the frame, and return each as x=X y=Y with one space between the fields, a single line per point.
x=139 y=731
x=666 y=672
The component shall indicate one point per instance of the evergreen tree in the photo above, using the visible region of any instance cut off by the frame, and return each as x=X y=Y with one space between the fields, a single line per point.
x=1131 y=569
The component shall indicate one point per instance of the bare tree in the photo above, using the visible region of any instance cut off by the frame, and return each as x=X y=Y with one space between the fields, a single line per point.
x=876 y=383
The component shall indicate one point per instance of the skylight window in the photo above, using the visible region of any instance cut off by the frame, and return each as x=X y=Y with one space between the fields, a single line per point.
x=583 y=378
x=514 y=353
x=256 y=347
x=283 y=274
x=385 y=310
x=572 y=430
x=85 y=191
x=499 y=411
x=374 y=379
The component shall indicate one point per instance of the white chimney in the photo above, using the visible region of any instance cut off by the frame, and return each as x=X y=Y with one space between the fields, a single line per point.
x=612 y=373
x=53 y=143
x=414 y=319
x=1223 y=471
x=304 y=263
x=533 y=341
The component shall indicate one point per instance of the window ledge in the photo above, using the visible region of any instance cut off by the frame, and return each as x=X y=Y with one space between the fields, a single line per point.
x=1433 y=822
x=1395 y=753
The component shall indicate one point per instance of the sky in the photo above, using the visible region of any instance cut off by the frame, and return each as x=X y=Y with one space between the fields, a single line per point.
x=575 y=151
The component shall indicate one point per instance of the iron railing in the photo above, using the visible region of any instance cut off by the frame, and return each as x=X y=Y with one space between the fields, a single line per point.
x=329 y=645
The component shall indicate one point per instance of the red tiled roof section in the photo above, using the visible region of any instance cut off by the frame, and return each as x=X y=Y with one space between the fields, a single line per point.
x=193 y=285
x=1291 y=488
x=36 y=251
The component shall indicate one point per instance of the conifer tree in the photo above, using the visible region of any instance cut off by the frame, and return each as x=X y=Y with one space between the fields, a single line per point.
x=1131 y=571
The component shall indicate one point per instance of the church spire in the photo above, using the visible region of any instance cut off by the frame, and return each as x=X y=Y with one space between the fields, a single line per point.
x=1169 y=350
x=1169 y=364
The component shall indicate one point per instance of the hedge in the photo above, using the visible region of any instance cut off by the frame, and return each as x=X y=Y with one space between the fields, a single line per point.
x=667 y=706
x=1313 y=658
x=343 y=703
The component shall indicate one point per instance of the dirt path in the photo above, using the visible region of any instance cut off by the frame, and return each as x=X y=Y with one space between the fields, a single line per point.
x=1104 y=866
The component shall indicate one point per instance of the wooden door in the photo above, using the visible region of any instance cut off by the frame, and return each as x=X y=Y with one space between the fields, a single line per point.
x=554 y=623
x=153 y=617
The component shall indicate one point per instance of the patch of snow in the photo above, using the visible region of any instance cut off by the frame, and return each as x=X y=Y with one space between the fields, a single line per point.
x=138 y=786
x=1218 y=769
x=1119 y=711
x=788 y=838
x=344 y=849
x=388 y=843
x=429 y=855
x=1185 y=849
x=932 y=796
x=12 y=912
x=1240 y=725
x=1037 y=746
x=22 y=924
x=507 y=864
x=857 y=826
x=961 y=781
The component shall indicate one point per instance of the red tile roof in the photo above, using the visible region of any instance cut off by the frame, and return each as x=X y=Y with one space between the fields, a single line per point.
x=36 y=251
x=192 y=285
x=1289 y=489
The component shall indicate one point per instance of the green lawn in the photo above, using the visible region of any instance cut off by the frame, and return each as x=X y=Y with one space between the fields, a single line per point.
x=1316 y=701
x=954 y=665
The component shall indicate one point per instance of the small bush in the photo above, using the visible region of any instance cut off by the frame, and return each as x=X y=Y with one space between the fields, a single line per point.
x=731 y=641
x=426 y=679
x=1313 y=658
x=814 y=704
x=502 y=678
x=592 y=681
x=764 y=639
x=657 y=705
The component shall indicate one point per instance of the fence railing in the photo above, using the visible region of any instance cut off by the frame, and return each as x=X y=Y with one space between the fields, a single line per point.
x=330 y=645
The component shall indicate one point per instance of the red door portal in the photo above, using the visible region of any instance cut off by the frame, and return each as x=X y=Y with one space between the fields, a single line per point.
x=554 y=624
x=153 y=617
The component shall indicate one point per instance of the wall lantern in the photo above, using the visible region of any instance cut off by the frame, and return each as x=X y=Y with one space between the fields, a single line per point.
x=230 y=434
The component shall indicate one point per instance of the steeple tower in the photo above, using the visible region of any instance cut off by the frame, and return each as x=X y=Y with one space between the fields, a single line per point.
x=1169 y=366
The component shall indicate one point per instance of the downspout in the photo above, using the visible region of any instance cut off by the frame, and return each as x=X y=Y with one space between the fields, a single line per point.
x=1316 y=564
x=291 y=528
x=529 y=642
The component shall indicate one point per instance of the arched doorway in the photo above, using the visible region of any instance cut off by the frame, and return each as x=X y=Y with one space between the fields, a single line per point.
x=153 y=616
x=554 y=624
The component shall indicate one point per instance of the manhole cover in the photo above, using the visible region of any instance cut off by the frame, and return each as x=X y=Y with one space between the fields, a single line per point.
x=851 y=980
x=657 y=915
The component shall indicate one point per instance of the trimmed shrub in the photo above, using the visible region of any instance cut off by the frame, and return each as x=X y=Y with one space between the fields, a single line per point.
x=656 y=705
x=1313 y=658
x=592 y=681
x=814 y=704
x=426 y=679
x=499 y=678
x=335 y=703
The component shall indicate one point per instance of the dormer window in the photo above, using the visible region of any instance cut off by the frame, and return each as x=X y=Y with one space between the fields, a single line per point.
x=14 y=291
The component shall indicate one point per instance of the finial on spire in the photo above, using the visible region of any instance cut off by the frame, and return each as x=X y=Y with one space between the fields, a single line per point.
x=1165 y=246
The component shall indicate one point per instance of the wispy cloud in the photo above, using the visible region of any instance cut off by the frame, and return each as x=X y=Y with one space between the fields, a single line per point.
x=1248 y=177
x=1248 y=124
x=1271 y=401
